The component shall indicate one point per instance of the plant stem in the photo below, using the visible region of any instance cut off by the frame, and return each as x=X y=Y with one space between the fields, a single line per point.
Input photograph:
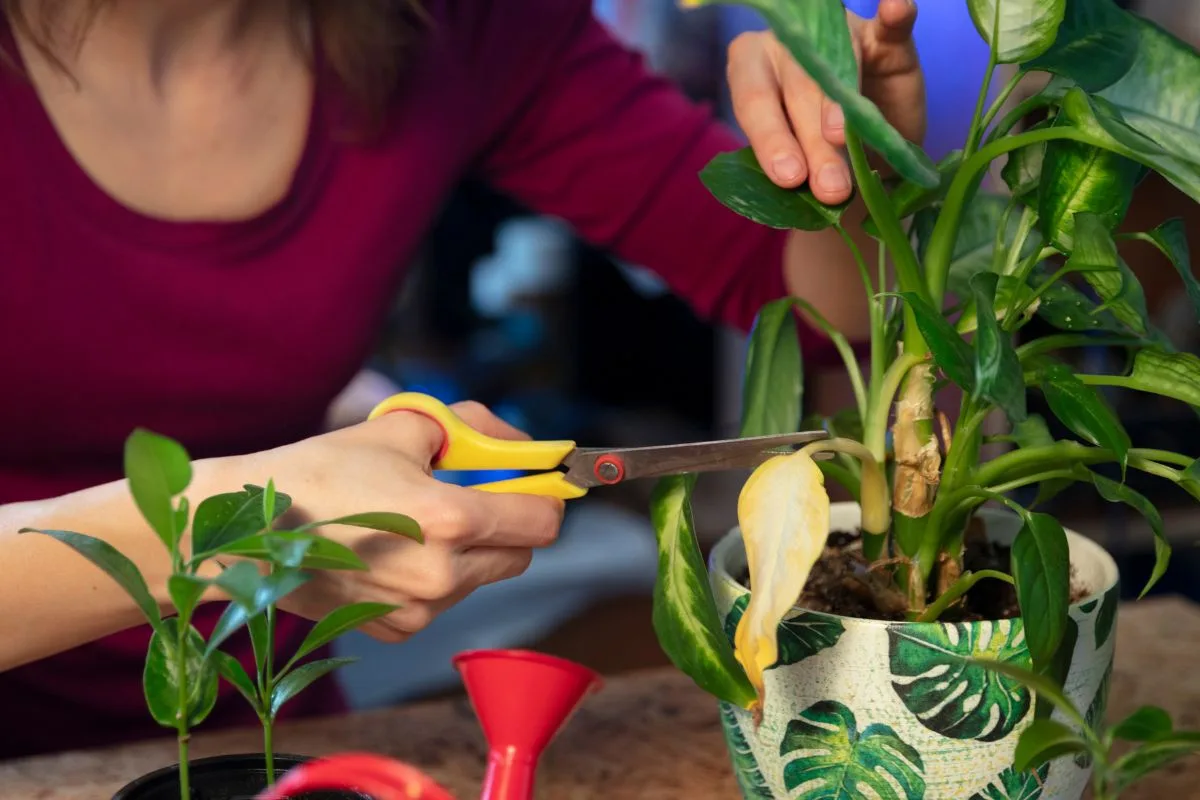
x=875 y=432
x=1019 y=112
x=181 y=718
x=878 y=332
x=1024 y=228
x=977 y=118
x=960 y=588
x=1032 y=480
x=941 y=242
x=268 y=726
x=1065 y=341
x=964 y=449
x=843 y=347
x=1000 y=100
x=908 y=271
x=1031 y=460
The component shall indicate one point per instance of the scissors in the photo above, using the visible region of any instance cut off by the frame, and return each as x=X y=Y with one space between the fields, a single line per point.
x=570 y=471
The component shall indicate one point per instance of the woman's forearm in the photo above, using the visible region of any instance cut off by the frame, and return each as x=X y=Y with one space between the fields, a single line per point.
x=51 y=598
x=820 y=267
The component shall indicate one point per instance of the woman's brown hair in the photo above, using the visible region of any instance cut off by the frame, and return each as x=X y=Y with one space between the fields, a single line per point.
x=363 y=41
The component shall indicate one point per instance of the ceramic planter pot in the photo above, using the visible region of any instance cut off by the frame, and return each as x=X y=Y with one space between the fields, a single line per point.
x=235 y=777
x=865 y=708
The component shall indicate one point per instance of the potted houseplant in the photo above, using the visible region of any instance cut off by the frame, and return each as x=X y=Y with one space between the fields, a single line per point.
x=228 y=548
x=841 y=640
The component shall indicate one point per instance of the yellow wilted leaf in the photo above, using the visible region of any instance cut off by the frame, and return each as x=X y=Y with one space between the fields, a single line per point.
x=783 y=511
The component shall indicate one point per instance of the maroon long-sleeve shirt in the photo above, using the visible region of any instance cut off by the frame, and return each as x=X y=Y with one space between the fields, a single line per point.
x=235 y=337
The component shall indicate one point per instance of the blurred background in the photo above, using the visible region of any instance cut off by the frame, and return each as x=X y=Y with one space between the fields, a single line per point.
x=510 y=309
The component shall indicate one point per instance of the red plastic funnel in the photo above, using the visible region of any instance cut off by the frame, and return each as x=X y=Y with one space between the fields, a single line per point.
x=522 y=700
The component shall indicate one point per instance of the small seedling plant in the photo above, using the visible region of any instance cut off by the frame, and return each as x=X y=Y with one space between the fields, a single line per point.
x=964 y=267
x=258 y=565
x=1120 y=754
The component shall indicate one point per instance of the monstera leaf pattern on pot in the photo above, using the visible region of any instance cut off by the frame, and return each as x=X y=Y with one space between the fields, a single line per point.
x=1010 y=785
x=834 y=761
x=945 y=693
x=745 y=766
x=800 y=637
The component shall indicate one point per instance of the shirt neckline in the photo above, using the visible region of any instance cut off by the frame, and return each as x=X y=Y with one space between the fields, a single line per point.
x=70 y=182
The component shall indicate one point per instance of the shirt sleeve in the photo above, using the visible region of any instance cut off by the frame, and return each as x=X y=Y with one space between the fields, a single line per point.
x=578 y=128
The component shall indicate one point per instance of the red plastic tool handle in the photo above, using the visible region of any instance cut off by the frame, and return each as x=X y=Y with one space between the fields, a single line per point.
x=381 y=778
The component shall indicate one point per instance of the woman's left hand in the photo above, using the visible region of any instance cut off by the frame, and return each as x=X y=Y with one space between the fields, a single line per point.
x=796 y=132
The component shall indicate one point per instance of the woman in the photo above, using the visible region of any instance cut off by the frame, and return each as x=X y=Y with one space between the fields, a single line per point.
x=208 y=206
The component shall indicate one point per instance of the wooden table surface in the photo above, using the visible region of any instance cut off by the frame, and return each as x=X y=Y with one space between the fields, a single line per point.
x=648 y=734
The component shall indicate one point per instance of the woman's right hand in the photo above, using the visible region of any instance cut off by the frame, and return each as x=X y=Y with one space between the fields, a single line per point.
x=472 y=538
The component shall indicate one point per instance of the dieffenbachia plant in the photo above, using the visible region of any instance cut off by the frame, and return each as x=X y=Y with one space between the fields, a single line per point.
x=970 y=269
x=1147 y=737
x=234 y=531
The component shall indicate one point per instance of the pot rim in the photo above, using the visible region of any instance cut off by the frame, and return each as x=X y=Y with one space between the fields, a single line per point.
x=195 y=764
x=720 y=554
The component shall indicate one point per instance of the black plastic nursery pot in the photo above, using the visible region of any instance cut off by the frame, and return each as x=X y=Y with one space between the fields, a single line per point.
x=233 y=777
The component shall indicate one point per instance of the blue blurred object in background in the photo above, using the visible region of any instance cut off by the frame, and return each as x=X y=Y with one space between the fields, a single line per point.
x=952 y=53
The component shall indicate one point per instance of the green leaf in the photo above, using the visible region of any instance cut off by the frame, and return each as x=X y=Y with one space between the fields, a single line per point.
x=284 y=547
x=1043 y=741
x=1115 y=492
x=998 y=375
x=975 y=245
x=1156 y=96
x=1069 y=310
x=251 y=592
x=269 y=499
x=1077 y=179
x=115 y=565
x=1041 y=570
x=157 y=469
x=1096 y=45
x=235 y=675
x=835 y=760
x=1143 y=725
x=186 y=591
x=228 y=517
x=933 y=676
x=1171 y=239
x=685 y=614
x=749 y=776
x=1095 y=256
x=260 y=637
x=162 y=677
x=773 y=385
x=1107 y=616
x=817 y=35
x=1082 y=409
x=1059 y=667
x=950 y=351
x=1106 y=128
x=800 y=636
x=1027 y=28
x=1013 y=785
x=339 y=621
x=908 y=197
x=385 y=521
x=1154 y=756
x=301 y=677
x=1022 y=171
x=1010 y=669
x=737 y=180
x=1174 y=375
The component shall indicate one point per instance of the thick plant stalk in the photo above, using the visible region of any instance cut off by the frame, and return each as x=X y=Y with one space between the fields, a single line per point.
x=918 y=469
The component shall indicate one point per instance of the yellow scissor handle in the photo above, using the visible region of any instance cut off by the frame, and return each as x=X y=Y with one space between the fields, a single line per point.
x=464 y=448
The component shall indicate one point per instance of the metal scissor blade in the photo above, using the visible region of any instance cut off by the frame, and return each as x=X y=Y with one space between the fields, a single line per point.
x=600 y=466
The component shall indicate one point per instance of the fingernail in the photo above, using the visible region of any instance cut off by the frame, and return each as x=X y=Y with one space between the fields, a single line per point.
x=834 y=178
x=835 y=118
x=787 y=167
